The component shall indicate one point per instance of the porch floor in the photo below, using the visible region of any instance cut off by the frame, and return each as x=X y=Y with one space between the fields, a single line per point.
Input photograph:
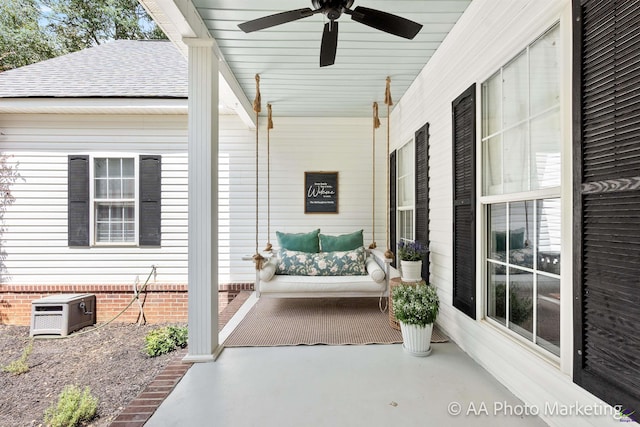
x=369 y=385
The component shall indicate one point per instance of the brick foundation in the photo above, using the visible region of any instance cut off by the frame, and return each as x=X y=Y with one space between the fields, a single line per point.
x=160 y=302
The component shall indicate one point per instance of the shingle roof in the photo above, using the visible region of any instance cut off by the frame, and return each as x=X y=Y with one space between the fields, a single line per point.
x=120 y=68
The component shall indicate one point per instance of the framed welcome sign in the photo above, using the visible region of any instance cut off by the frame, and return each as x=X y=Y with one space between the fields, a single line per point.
x=321 y=192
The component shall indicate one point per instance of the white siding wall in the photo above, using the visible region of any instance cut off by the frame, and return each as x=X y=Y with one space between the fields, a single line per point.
x=487 y=36
x=35 y=236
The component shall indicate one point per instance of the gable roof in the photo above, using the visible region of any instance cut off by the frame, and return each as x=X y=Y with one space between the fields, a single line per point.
x=117 y=69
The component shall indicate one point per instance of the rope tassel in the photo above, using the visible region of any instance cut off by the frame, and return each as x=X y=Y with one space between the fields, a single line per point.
x=269 y=117
x=257 y=107
x=376 y=119
x=258 y=260
x=387 y=94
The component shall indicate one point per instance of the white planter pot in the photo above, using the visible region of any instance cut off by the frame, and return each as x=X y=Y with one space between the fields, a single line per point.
x=411 y=271
x=416 y=339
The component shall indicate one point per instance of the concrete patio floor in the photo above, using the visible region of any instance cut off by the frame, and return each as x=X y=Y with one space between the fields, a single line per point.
x=368 y=385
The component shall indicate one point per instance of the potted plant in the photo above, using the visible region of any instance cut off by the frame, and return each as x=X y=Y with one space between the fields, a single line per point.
x=416 y=308
x=411 y=255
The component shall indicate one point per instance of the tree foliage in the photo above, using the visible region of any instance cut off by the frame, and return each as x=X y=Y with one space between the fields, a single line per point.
x=34 y=30
x=79 y=24
x=22 y=40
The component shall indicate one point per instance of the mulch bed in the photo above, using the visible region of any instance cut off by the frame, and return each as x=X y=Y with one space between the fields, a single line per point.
x=110 y=361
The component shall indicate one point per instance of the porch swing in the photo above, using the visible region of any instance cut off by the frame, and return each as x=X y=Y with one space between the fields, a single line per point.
x=300 y=268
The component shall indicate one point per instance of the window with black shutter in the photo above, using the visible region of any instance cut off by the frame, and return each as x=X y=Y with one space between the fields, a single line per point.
x=150 y=198
x=392 y=205
x=422 y=191
x=78 y=200
x=464 y=203
x=108 y=213
x=607 y=201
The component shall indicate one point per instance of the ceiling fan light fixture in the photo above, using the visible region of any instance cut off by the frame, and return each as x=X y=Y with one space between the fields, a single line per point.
x=333 y=9
x=332 y=4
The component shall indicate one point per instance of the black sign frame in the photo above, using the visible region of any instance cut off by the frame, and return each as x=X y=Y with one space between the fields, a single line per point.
x=321 y=192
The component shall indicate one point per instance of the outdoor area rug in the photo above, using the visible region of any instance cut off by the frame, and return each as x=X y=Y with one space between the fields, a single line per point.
x=309 y=321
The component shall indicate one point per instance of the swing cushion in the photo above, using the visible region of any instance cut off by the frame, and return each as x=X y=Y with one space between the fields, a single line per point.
x=303 y=242
x=344 y=242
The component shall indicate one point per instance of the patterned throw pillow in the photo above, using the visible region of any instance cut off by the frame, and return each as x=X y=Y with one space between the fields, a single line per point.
x=293 y=263
x=343 y=263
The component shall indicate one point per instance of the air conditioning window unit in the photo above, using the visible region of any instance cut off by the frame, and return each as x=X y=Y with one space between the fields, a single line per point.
x=62 y=314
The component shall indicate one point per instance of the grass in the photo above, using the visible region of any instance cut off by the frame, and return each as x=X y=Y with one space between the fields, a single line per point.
x=20 y=366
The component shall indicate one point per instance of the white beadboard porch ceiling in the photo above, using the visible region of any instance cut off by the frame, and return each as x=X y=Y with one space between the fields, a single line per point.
x=287 y=56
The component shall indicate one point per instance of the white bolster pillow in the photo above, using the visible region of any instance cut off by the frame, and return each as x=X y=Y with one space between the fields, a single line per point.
x=268 y=269
x=374 y=270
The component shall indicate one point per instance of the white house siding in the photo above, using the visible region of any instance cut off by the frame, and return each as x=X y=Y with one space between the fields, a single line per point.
x=487 y=36
x=35 y=236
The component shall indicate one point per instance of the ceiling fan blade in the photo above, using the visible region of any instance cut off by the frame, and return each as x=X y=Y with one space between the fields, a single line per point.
x=277 y=19
x=329 y=44
x=383 y=21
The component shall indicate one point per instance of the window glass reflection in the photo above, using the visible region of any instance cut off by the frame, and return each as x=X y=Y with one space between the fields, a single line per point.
x=521 y=233
x=521 y=302
x=548 y=313
x=498 y=231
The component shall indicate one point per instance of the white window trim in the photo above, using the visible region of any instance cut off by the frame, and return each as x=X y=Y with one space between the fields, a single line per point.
x=562 y=192
x=410 y=207
x=531 y=344
x=92 y=200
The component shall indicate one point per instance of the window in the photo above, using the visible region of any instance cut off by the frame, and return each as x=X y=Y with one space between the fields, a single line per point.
x=521 y=121
x=523 y=265
x=114 y=200
x=406 y=192
x=521 y=140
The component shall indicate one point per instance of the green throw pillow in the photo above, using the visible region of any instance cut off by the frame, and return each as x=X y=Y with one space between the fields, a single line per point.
x=303 y=242
x=344 y=242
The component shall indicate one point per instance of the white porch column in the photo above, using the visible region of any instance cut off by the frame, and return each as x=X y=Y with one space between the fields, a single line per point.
x=203 y=201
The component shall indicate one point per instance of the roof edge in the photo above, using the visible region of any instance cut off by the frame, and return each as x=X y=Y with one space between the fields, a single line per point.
x=93 y=105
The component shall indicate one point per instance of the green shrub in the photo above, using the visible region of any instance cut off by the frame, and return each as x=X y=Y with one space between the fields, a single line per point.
x=165 y=340
x=74 y=407
x=415 y=304
x=520 y=308
x=20 y=366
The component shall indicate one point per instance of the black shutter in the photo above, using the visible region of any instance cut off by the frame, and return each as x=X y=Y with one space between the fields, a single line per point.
x=422 y=191
x=464 y=202
x=150 y=200
x=78 y=200
x=606 y=264
x=392 y=204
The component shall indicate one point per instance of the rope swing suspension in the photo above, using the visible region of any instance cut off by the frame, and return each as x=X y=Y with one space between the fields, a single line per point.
x=258 y=259
x=257 y=108
x=387 y=100
x=269 y=127
x=376 y=125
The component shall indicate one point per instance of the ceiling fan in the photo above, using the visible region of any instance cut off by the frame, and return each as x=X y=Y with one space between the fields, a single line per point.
x=333 y=9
